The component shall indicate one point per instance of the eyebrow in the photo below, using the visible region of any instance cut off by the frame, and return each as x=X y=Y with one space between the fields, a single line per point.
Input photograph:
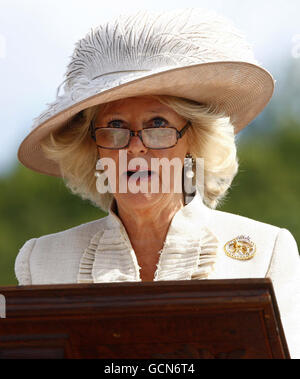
x=158 y=110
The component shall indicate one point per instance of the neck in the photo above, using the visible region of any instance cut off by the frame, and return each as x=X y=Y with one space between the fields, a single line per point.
x=148 y=226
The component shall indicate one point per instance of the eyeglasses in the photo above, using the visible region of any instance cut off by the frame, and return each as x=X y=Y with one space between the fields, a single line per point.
x=152 y=138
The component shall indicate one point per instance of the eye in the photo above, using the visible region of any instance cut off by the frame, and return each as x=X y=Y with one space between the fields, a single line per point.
x=158 y=122
x=116 y=124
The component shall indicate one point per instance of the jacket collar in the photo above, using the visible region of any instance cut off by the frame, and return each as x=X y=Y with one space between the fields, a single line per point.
x=190 y=217
x=189 y=250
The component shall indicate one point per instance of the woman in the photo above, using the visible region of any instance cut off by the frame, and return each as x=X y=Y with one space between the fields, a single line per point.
x=147 y=97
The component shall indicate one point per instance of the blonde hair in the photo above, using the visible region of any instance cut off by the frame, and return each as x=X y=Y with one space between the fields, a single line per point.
x=211 y=137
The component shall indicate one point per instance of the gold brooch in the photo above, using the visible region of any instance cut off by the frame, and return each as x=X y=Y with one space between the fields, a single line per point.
x=241 y=248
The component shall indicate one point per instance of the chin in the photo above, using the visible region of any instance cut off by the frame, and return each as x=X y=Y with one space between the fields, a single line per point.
x=140 y=200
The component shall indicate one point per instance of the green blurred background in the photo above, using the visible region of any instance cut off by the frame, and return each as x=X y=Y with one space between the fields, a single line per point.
x=266 y=188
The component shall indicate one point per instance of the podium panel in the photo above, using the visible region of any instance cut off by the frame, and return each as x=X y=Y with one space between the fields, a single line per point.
x=199 y=319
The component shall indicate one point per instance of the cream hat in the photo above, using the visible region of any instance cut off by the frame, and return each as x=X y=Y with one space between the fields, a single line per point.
x=190 y=53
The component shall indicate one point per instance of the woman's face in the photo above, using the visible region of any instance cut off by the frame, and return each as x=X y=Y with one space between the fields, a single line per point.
x=135 y=114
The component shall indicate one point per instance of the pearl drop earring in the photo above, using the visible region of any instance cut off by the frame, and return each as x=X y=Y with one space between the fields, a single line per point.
x=189 y=174
x=188 y=166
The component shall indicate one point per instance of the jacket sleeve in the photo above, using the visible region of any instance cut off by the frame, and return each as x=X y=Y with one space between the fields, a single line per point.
x=22 y=263
x=284 y=271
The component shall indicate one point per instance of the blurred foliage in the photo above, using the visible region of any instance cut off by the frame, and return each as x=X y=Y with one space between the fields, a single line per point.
x=266 y=189
x=32 y=205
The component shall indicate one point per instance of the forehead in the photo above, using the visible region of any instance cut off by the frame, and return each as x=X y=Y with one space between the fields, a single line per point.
x=135 y=106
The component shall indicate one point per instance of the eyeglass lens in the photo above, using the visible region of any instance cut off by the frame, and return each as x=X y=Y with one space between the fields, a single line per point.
x=152 y=137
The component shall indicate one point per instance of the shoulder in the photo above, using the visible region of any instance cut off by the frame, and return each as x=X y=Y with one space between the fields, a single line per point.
x=76 y=235
x=71 y=239
x=229 y=219
x=276 y=236
x=229 y=225
x=54 y=251
x=270 y=241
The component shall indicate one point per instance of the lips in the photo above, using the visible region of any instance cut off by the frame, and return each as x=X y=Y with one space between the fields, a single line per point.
x=141 y=173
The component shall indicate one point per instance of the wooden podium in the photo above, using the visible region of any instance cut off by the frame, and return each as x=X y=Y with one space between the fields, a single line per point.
x=214 y=319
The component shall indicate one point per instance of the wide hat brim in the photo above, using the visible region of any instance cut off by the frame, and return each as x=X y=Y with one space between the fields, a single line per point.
x=241 y=90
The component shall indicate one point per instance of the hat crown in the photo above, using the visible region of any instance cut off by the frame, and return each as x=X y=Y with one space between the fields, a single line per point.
x=149 y=41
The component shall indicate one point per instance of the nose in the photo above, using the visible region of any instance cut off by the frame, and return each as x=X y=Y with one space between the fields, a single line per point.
x=136 y=146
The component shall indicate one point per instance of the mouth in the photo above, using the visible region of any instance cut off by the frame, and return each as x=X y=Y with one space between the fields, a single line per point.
x=140 y=173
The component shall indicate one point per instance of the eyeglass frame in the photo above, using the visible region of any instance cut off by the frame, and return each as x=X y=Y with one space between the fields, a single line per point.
x=179 y=134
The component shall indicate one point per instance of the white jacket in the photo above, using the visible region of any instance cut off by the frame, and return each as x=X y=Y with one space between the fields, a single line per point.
x=100 y=251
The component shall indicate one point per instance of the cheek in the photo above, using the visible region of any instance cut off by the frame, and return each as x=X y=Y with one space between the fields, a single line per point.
x=175 y=155
x=111 y=154
x=179 y=151
x=110 y=160
x=183 y=146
